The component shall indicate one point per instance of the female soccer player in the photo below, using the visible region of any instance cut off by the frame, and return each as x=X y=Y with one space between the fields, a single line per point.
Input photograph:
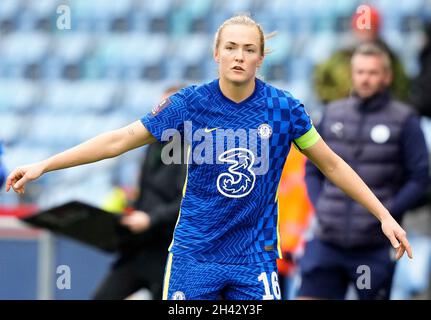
x=226 y=240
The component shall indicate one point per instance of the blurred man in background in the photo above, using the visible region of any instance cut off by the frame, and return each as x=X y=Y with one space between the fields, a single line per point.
x=142 y=258
x=420 y=95
x=2 y=168
x=332 y=78
x=382 y=140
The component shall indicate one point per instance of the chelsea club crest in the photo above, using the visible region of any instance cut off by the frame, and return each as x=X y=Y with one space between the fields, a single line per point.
x=264 y=131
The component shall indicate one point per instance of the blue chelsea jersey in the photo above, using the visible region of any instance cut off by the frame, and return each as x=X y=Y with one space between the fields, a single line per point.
x=236 y=153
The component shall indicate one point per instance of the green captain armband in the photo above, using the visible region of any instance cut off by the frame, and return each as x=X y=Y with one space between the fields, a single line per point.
x=307 y=140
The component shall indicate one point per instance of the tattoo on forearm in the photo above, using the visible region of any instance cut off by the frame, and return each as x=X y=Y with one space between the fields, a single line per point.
x=131 y=131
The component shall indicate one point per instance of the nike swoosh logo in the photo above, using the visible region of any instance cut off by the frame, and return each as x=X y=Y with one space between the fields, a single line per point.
x=210 y=130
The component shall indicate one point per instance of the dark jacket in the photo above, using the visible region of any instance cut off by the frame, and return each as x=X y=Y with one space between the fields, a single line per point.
x=160 y=195
x=2 y=168
x=382 y=141
x=420 y=94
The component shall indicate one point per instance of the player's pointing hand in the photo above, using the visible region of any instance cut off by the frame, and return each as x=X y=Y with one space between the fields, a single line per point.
x=397 y=237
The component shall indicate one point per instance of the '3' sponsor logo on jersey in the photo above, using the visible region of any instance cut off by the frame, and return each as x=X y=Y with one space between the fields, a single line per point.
x=240 y=178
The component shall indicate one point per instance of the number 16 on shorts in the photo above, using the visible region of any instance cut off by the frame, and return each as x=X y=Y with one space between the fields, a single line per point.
x=274 y=287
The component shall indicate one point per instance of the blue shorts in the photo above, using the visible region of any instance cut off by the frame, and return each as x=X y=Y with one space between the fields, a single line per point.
x=327 y=271
x=187 y=278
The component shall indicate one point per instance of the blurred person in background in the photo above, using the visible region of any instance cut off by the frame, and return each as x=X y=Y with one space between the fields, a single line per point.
x=142 y=257
x=332 y=78
x=382 y=140
x=295 y=212
x=420 y=94
x=2 y=168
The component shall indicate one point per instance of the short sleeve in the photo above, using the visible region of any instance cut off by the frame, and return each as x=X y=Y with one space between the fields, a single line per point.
x=169 y=114
x=303 y=132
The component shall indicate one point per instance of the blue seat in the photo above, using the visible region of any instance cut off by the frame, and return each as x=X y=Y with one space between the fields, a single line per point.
x=192 y=17
x=17 y=96
x=21 y=49
x=394 y=39
x=69 y=51
x=152 y=16
x=279 y=47
x=140 y=97
x=234 y=7
x=159 y=8
x=42 y=8
x=60 y=97
x=106 y=59
x=92 y=14
x=198 y=9
x=320 y=46
x=95 y=96
x=9 y=9
x=20 y=155
x=35 y=11
x=116 y=119
x=190 y=52
x=71 y=47
x=11 y=126
x=96 y=15
x=47 y=130
x=345 y=8
x=140 y=20
x=125 y=56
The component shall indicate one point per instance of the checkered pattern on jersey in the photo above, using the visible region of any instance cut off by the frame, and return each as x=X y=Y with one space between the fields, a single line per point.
x=213 y=227
x=288 y=120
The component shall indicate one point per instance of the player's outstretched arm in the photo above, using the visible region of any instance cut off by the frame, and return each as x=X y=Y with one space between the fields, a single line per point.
x=344 y=177
x=103 y=146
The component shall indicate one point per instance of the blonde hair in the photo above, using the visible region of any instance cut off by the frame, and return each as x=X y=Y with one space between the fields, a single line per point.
x=241 y=19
